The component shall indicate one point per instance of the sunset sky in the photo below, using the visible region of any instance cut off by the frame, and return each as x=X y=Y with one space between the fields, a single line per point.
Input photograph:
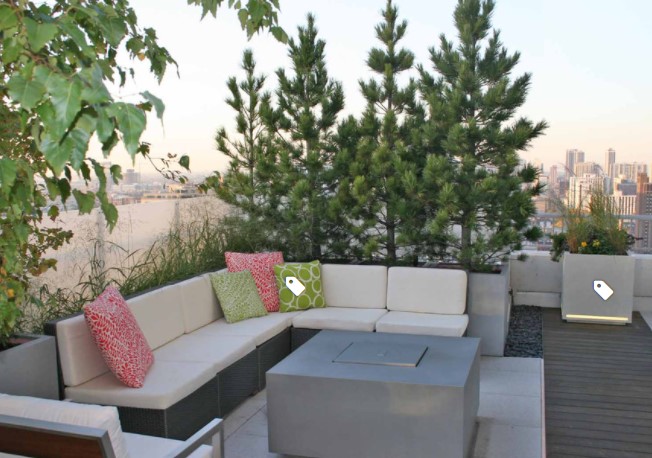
x=589 y=61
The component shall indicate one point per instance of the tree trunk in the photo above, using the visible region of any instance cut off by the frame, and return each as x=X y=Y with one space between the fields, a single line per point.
x=391 y=239
x=465 y=258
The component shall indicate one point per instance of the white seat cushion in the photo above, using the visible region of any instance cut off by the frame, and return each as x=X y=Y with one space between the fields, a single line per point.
x=261 y=328
x=339 y=318
x=426 y=290
x=167 y=382
x=156 y=447
x=423 y=323
x=219 y=350
x=199 y=303
x=354 y=286
x=101 y=417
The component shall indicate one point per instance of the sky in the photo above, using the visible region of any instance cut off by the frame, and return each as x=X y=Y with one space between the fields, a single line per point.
x=589 y=61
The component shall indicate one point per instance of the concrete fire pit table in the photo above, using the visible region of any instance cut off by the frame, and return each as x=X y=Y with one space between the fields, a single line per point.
x=366 y=394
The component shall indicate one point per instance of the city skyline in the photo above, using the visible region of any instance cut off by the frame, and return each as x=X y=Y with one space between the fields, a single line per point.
x=588 y=80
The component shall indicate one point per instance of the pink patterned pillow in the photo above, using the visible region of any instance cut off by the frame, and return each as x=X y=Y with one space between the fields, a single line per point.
x=119 y=338
x=261 y=266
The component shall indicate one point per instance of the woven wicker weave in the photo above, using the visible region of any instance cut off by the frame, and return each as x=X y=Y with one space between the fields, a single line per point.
x=301 y=336
x=272 y=352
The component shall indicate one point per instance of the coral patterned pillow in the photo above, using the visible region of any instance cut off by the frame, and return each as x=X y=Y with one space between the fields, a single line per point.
x=261 y=266
x=119 y=338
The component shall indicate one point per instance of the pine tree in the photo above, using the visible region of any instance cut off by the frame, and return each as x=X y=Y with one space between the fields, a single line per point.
x=473 y=179
x=383 y=160
x=304 y=122
x=244 y=185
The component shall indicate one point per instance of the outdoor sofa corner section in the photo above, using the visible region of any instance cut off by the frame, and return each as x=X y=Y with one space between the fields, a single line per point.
x=205 y=367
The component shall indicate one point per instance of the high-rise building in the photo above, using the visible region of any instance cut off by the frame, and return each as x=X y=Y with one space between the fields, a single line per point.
x=553 y=179
x=584 y=168
x=629 y=170
x=609 y=161
x=644 y=198
x=581 y=187
x=573 y=156
x=131 y=177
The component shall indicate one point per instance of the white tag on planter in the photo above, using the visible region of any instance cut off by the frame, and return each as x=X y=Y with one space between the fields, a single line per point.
x=294 y=285
x=602 y=289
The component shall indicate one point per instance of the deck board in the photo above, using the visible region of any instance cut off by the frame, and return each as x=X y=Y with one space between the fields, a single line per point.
x=598 y=381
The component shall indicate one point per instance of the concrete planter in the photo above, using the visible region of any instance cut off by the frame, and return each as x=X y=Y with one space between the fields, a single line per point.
x=579 y=300
x=489 y=306
x=30 y=369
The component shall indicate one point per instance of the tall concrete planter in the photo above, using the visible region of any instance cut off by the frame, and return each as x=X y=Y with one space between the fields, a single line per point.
x=579 y=299
x=489 y=305
x=30 y=368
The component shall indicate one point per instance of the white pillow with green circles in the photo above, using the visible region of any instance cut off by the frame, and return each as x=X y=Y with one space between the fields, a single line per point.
x=309 y=275
x=238 y=296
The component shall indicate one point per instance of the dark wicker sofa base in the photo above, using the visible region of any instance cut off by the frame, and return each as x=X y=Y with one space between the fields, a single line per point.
x=216 y=398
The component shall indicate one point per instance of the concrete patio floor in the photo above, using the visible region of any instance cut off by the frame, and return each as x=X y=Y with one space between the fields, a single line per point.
x=510 y=417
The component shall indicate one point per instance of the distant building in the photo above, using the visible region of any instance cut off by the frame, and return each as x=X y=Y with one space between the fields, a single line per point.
x=131 y=177
x=580 y=189
x=630 y=170
x=584 y=168
x=609 y=161
x=644 y=195
x=573 y=156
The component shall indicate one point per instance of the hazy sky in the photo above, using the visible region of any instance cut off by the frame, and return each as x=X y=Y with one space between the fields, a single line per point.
x=589 y=61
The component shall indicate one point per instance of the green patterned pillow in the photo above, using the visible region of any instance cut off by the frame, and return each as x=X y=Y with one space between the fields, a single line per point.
x=309 y=275
x=238 y=295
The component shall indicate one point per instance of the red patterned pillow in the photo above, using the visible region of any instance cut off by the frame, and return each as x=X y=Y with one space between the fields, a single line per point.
x=119 y=338
x=261 y=266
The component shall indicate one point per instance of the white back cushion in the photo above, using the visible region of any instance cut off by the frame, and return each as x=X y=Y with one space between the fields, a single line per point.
x=199 y=303
x=354 y=286
x=426 y=290
x=80 y=358
x=105 y=418
x=159 y=314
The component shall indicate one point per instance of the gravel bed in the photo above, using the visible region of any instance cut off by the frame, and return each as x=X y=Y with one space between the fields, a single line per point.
x=524 y=338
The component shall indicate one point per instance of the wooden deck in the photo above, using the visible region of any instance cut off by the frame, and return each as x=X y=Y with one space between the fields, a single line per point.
x=598 y=388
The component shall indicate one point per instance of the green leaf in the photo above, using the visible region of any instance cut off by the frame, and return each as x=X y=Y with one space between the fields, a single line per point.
x=184 y=161
x=131 y=123
x=8 y=18
x=116 y=173
x=56 y=154
x=243 y=15
x=7 y=174
x=11 y=50
x=105 y=126
x=66 y=97
x=279 y=34
x=85 y=201
x=114 y=30
x=39 y=34
x=27 y=92
x=64 y=189
x=53 y=212
x=156 y=102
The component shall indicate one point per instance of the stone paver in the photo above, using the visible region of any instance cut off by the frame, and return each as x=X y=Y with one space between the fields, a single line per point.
x=509 y=417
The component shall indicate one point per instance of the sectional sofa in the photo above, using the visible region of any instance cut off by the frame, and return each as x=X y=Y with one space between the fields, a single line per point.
x=204 y=367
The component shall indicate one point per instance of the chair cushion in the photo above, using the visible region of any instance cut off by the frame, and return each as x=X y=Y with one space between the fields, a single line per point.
x=159 y=314
x=344 y=319
x=309 y=275
x=71 y=413
x=423 y=323
x=238 y=296
x=426 y=290
x=354 y=286
x=219 y=350
x=261 y=266
x=119 y=338
x=198 y=303
x=167 y=383
x=261 y=329
x=139 y=445
x=80 y=358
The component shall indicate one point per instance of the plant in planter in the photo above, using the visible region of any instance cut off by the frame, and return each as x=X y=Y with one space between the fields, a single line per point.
x=477 y=195
x=598 y=276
